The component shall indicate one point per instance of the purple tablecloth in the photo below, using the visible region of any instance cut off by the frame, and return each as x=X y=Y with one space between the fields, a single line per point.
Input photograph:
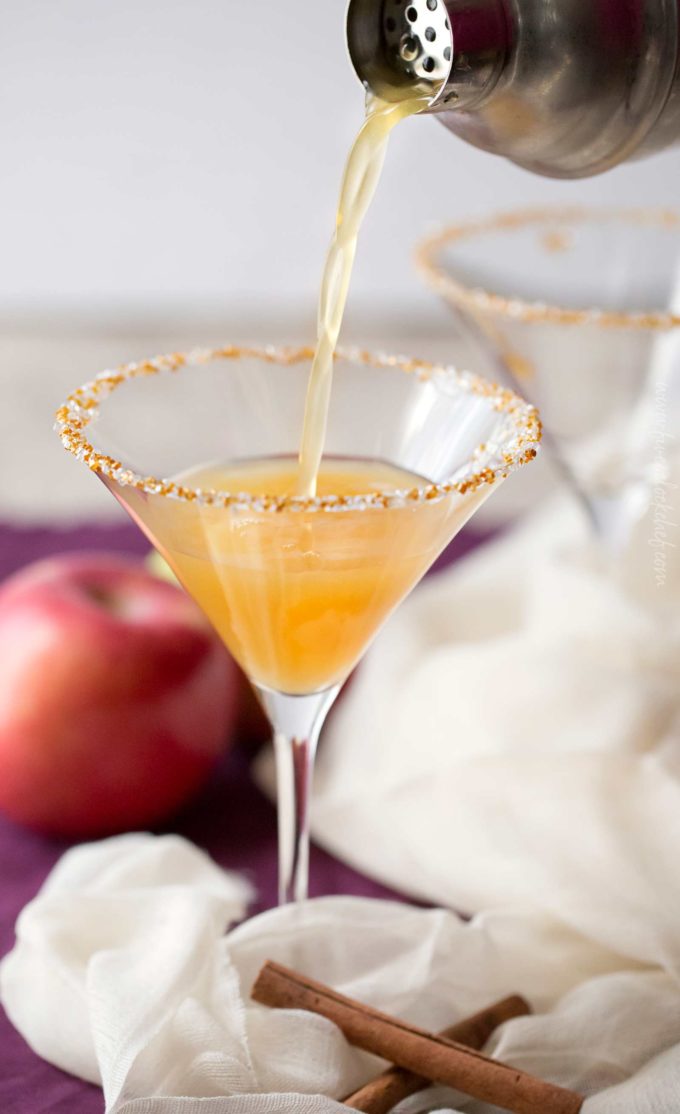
x=231 y=820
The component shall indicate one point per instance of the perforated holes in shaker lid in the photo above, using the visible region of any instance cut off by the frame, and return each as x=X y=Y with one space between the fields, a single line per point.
x=418 y=38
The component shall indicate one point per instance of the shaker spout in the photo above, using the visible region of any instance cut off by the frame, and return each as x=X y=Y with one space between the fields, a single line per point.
x=453 y=50
x=565 y=88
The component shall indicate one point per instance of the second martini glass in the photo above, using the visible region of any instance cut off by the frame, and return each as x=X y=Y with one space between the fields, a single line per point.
x=200 y=449
x=580 y=308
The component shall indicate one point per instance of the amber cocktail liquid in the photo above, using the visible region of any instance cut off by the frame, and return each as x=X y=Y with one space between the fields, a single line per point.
x=360 y=180
x=296 y=596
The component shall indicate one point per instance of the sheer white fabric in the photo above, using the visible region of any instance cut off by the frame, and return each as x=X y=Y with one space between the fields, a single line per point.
x=514 y=737
x=122 y=974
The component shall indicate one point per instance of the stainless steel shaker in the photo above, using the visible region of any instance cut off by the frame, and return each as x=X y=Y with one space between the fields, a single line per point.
x=566 y=88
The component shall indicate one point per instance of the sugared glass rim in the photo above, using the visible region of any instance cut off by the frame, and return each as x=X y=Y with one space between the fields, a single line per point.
x=82 y=405
x=534 y=312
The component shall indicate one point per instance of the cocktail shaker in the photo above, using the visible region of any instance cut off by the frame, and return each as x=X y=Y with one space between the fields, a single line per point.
x=566 y=88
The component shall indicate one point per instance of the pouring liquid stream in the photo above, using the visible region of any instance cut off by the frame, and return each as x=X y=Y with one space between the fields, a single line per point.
x=360 y=180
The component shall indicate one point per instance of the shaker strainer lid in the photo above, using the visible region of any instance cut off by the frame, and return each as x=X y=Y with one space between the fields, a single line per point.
x=451 y=51
x=398 y=44
x=417 y=36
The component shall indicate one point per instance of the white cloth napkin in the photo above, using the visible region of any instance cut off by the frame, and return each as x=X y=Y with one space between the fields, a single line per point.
x=514 y=737
x=122 y=974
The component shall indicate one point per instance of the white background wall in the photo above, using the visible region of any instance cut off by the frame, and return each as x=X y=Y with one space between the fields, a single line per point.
x=170 y=150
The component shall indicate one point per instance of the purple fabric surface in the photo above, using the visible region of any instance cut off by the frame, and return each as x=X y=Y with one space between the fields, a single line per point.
x=231 y=820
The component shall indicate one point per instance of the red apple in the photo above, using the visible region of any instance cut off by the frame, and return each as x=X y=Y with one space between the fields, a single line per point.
x=116 y=696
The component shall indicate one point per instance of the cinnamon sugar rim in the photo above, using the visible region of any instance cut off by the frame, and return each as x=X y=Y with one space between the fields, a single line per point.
x=82 y=406
x=531 y=312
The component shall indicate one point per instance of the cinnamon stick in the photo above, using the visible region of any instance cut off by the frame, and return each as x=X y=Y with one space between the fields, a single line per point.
x=437 y=1058
x=386 y=1090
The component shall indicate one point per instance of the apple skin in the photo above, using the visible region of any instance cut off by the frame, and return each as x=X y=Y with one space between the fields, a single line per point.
x=116 y=696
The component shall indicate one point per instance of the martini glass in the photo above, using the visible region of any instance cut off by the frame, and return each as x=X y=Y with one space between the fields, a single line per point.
x=201 y=450
x=580 y=309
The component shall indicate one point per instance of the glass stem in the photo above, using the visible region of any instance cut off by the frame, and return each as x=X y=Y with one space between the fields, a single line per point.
x=297 y=722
